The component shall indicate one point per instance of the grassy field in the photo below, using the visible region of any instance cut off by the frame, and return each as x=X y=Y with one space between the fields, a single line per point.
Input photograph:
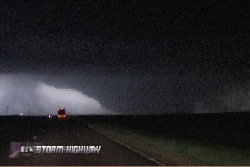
x=179 y=149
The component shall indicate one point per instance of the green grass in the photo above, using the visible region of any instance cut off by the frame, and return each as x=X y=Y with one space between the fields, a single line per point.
x=206 y=153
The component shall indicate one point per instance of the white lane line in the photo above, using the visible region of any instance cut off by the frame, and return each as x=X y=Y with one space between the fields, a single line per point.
x=129 y=147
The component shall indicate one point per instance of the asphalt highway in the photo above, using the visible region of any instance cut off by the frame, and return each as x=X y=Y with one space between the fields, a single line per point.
x=63 y=132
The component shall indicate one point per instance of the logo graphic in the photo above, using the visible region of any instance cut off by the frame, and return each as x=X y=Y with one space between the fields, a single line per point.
x=18 y=149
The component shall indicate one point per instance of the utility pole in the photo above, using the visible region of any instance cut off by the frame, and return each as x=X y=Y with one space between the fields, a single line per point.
x=7 y=110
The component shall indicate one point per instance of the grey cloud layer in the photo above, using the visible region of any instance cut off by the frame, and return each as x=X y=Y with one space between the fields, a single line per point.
x=29 y=96
x=98 y=94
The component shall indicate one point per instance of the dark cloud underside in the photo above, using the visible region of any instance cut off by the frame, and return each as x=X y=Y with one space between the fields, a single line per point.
x=157 y=54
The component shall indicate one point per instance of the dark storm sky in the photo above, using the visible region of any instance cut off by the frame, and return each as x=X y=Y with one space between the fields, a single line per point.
x=191 y=47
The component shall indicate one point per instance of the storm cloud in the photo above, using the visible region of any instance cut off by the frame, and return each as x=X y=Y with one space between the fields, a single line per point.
x=21 y=94
x=79 y=93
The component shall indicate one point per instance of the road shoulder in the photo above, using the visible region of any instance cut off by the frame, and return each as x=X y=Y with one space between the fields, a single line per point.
x=161 y=156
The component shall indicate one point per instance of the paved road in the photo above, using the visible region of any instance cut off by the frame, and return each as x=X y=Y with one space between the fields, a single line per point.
x=70 y=132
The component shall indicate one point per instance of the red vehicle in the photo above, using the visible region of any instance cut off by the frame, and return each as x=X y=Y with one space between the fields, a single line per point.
x=61 y=113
